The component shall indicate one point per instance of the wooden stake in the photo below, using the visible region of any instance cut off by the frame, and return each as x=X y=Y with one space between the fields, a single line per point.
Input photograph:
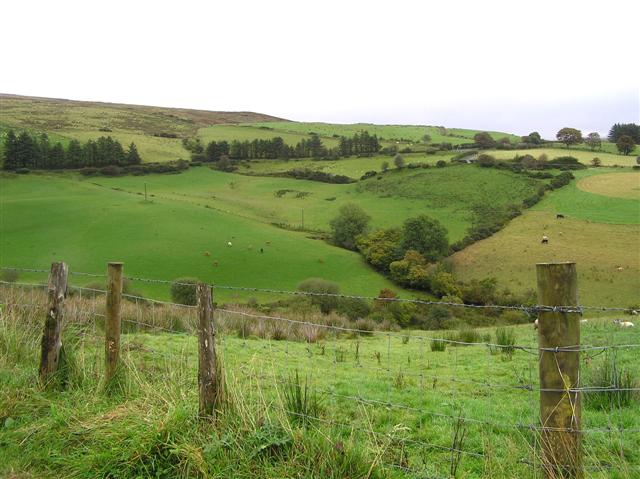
x=208 y=381
x=561 y=454
x=113 y=319
x=52 y=335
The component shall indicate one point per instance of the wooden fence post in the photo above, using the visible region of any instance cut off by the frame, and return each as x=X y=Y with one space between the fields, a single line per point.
x=52 y=335
x=560 y=408
x=113 y=318
x=208 y=381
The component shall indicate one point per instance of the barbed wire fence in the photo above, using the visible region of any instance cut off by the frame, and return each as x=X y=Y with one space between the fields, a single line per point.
x=360 y=370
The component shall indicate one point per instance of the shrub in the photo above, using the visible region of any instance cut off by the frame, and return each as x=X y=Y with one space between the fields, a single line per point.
x=438 y=345
x=431 y=151
x=9 y=275
x=354 y=308
x=301 y=403
x=183 y=291
x=320 y=287
x=22 y=171
x=441 y=164
x=486 y=161
x=366 y=327
x=351 y=222
x=111 y=170
x=406 y=149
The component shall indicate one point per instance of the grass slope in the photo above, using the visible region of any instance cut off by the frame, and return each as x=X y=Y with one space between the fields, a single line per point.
x=45 y=218
x=67 y=119
x=152 y=429
x=411 y=133
x=584 y=156
x=598 y=249
x=443 y=193
x=573 y=201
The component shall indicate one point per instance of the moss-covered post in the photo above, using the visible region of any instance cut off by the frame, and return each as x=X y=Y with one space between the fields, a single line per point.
x=559 y=371
x=208 y=381
x=113 y=320
x=52 y=334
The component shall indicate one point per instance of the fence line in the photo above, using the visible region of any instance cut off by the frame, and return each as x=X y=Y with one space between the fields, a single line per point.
x=528 y=309
x=565 y=391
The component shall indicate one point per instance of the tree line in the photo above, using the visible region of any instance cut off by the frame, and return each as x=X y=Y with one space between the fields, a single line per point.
x=37 y=152
x=625 y=136
x=275 y=148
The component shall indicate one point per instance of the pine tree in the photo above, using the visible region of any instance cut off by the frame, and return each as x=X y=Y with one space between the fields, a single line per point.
x=10 y=151
x=133 y=158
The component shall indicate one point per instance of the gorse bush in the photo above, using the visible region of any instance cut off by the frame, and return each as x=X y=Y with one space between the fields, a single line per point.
x=183 y=291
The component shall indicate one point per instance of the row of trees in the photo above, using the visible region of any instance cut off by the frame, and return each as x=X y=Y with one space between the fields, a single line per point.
x=276 y=148
x=625 y=136
x=37 y=152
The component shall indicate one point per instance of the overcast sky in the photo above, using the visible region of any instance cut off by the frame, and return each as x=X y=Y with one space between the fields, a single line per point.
x=514 y=66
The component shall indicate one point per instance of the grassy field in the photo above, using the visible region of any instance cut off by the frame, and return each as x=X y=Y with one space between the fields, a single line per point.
x=444 y=193
x=576 y=202
x=584 y=156
x=408 y=133
x=352 y=167
x=617 y=185
x=248 y=132
x=45 y=218
x=379 y=406
x=599 y=250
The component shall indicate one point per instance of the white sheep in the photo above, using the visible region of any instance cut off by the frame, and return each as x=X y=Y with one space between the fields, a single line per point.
x=229 y=243
x=535 y=324
x=623 y=324
x=584 y=321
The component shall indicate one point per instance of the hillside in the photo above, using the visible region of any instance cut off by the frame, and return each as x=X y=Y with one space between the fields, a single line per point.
x=157 y=131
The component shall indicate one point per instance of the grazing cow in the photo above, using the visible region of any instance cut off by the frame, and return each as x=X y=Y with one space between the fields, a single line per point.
x=545 y=239
x=623 y=324
x=559 y=216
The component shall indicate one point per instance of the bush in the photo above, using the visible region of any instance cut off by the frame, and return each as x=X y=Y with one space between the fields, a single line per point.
x=111 y=170
x=320 y=287
x=9 y=275
x=431 y=151
x=441 y=164
x=354 y=308
x=183 y=291
x=22 y=171
x=438 y=345
x=351 y=222
x=467 y=335
x=486 y=161
x=365 y=327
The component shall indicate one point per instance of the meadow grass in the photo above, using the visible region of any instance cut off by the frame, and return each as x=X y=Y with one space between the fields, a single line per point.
x=408 y=133
x=249 y=133
x=584 y=156
x=56 y=217
x=578 y=202
x=599 y=250
x=387 y=405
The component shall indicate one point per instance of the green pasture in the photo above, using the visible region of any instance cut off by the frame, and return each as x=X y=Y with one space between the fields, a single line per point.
x=352 y=167
x=443 y=193
x=386 y=407
x=584 y=156
x=249 y=133
x=574 y=202
x=408 y=133
x=56 y=217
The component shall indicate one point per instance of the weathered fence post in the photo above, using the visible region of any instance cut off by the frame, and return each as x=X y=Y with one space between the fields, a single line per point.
x=52 y=335
x=560 y=408
x=208 y=381
x=113 y=319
